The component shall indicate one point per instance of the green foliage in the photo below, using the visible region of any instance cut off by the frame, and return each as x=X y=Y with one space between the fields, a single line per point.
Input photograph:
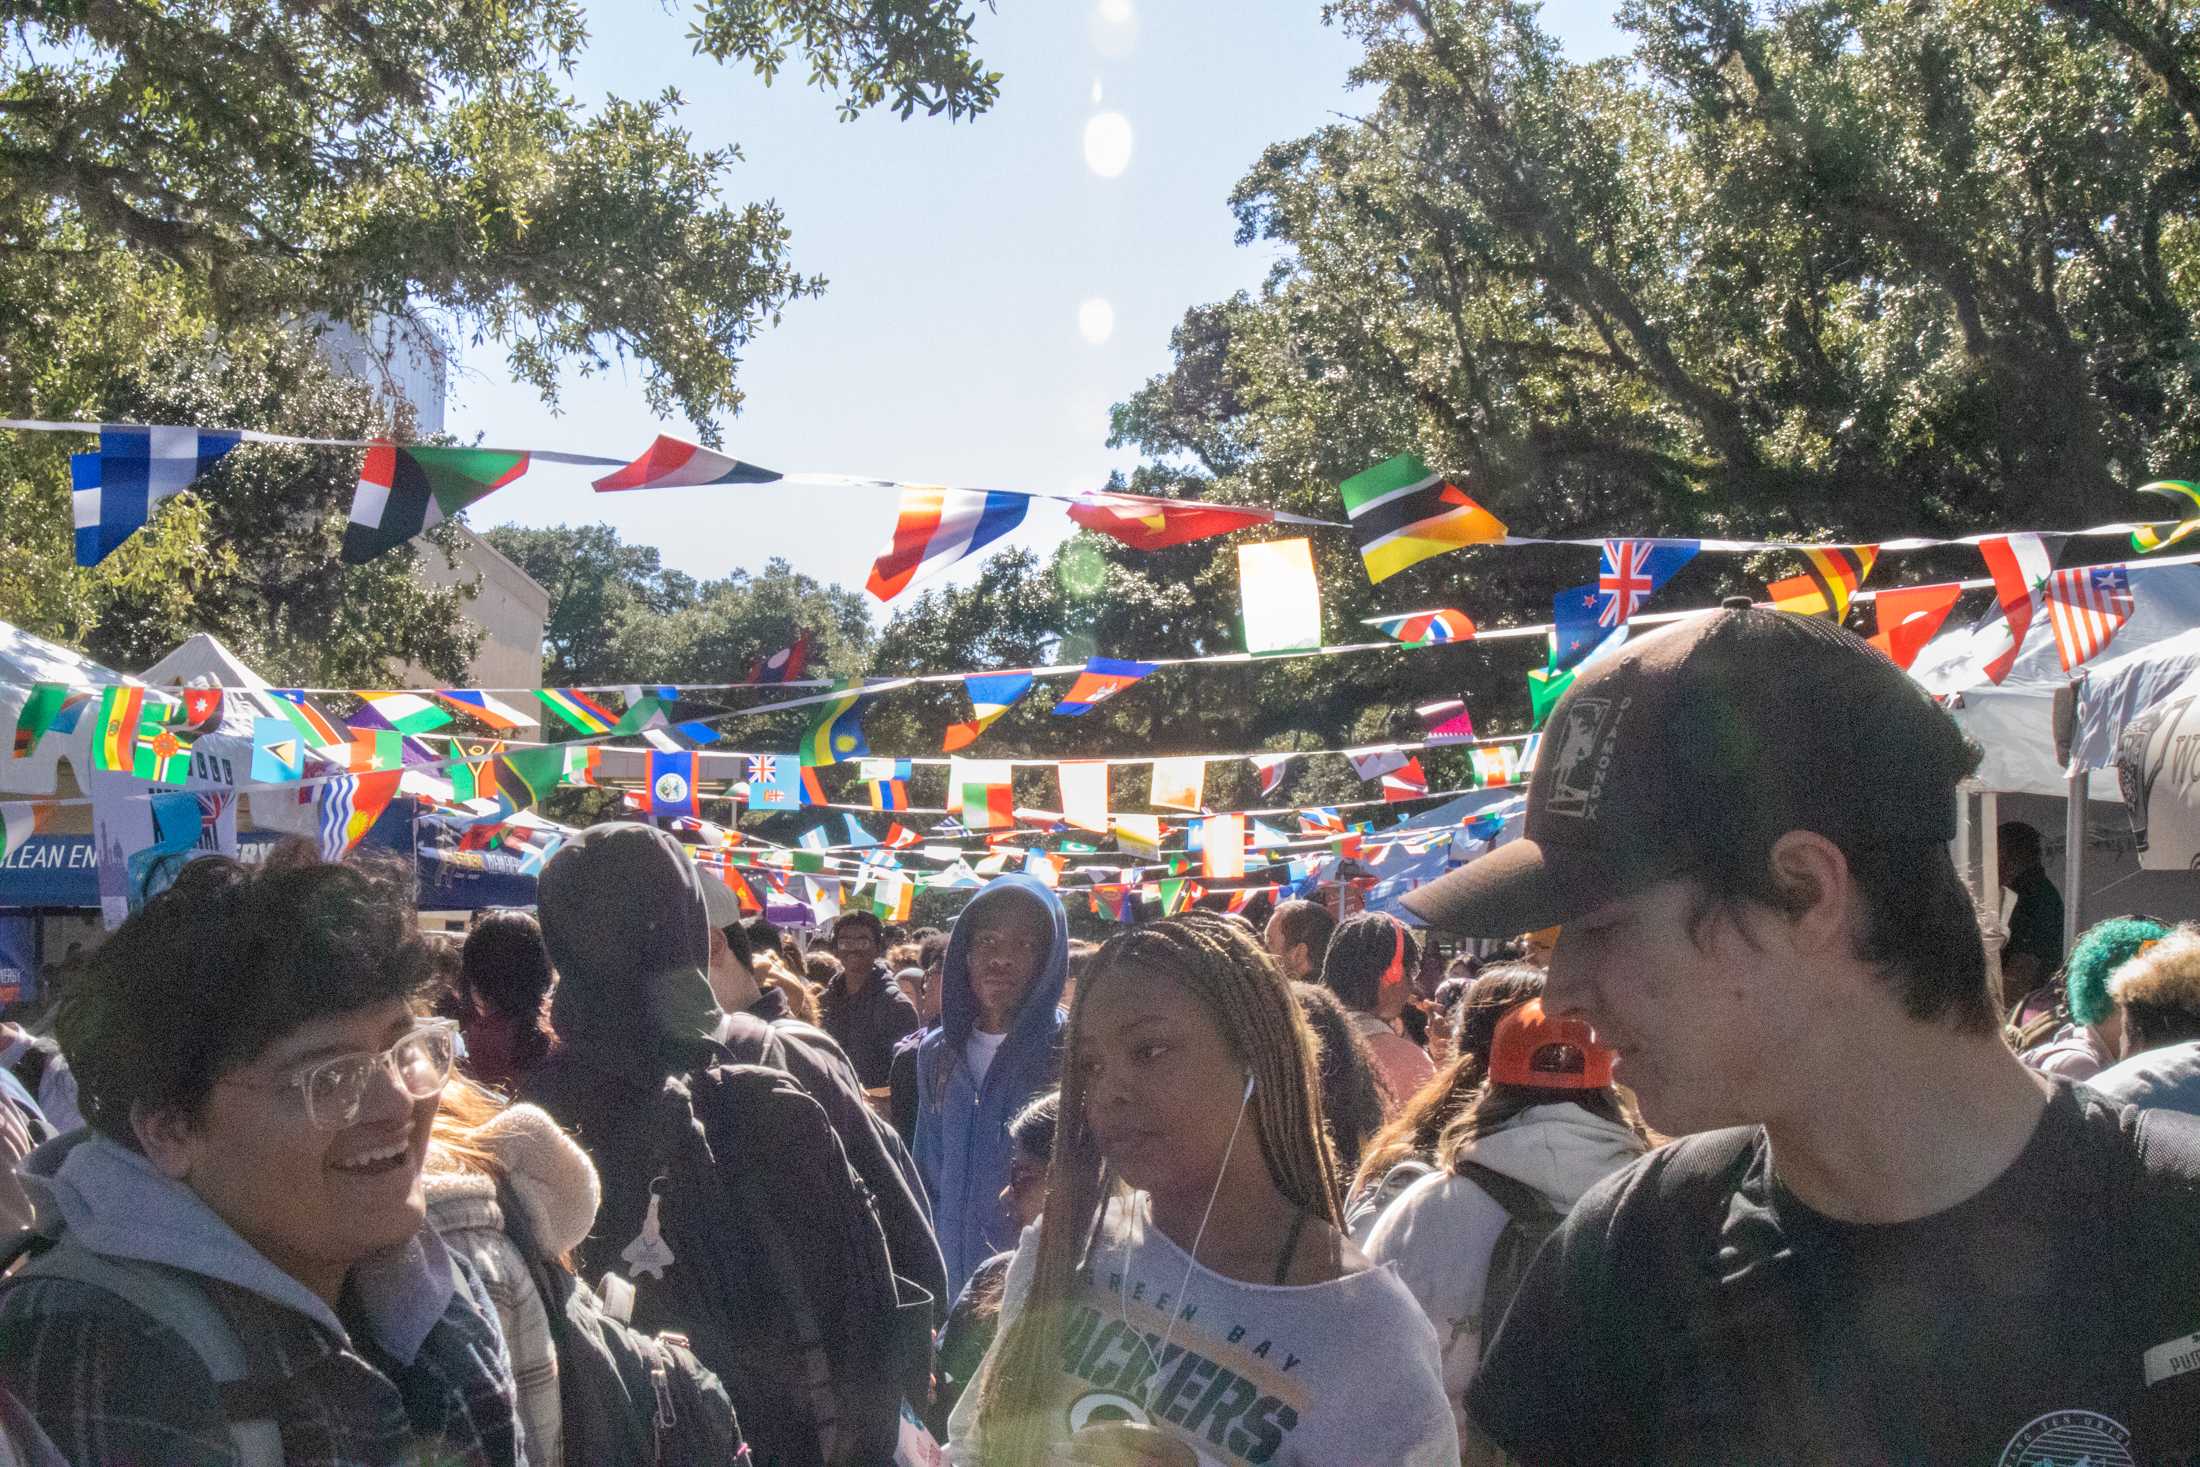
x=187 y=190
x=916 y=50
x=1870 y=269
x=249 y=554
x=357 y=160
x=617 y=615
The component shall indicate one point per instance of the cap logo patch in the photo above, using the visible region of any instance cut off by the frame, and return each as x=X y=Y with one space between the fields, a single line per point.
x=1583 y=756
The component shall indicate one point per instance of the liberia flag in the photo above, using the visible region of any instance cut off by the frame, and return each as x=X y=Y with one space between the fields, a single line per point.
x=937 y=527
x=1155 y=524
x=670 y=464
x=2086 y=607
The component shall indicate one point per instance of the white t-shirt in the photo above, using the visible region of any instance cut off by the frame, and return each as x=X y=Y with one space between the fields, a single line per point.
x=1306 y=1375
x=980 y=1049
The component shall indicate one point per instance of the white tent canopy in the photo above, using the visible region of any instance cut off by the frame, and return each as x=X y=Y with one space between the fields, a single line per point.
x=26 y=660
x=2014 y=722
x=202 y=661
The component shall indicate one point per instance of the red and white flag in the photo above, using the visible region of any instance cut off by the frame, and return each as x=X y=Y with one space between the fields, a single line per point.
x=669 y=463
x=2086 y=607
x=2020 y=565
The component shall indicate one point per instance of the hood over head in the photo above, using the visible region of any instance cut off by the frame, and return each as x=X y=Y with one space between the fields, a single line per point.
x=623 y=915
x=959 y=1005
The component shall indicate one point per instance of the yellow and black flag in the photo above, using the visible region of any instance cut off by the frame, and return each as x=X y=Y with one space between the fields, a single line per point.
x=1832 y=579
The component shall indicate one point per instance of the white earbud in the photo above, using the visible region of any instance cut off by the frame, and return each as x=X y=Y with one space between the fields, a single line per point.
x=1248 y=1087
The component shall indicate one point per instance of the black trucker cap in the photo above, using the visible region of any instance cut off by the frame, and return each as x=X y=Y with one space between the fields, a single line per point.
x=1713 y=736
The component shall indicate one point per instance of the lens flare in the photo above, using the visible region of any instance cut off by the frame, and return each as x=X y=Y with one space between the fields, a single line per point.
x=1108 y=144
x=1096 y=321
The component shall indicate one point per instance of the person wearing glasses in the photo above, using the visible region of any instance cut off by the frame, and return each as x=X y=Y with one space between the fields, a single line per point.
x=997 y=1047
x=259 y=1091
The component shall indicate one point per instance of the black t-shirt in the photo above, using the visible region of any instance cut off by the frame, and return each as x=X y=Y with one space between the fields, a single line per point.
x=1691 y=1310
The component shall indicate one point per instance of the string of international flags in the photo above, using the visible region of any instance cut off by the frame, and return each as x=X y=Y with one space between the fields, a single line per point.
x=148 y=733
x=1401 y=512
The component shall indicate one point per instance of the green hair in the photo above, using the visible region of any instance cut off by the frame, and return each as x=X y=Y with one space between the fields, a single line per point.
x=2105 y=947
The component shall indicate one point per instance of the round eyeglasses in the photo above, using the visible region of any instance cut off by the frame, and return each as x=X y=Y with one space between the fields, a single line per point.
x=335 y=1088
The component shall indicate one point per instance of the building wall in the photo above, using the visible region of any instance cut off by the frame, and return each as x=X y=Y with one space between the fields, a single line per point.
x=509 y=607
x=398 y=356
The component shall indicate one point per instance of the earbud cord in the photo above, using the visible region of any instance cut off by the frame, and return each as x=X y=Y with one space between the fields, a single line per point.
x=1123 y=1281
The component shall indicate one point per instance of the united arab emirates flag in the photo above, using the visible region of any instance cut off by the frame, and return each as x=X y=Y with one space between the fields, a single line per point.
x=403 y=491
x=1402 y=514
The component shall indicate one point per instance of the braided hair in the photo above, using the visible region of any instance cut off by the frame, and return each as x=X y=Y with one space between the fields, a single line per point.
x=1245 y=993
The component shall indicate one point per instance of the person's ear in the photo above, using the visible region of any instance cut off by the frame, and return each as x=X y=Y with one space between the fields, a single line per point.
x=168 y=1137
x=1815 y=889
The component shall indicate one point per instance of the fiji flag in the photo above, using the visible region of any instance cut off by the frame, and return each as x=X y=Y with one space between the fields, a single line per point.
x=775 y=782
x=117 y=488
x=672 y=785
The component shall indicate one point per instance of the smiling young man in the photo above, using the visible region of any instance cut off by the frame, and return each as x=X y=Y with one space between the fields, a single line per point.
x=864 y=1010
x=997 y=1046
x=1891 y=1242
x=259 y=1090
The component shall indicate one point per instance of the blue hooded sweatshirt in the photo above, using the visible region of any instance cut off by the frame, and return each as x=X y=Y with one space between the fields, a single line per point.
x=963 y=1146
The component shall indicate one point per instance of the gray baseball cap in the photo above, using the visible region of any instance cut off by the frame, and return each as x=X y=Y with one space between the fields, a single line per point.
x=1717 y=734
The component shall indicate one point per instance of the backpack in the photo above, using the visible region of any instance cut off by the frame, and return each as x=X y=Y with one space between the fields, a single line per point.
x=170 y=1298
x=1367 y=1209
x=1529 y=1219
x=624 y=1396
x=779 y=1271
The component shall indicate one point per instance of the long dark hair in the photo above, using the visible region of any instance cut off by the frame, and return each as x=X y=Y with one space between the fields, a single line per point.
x=1417 y=1126
x=505 y=970
x=1352 y=1098
x=1244 y=992
x=1362 y=952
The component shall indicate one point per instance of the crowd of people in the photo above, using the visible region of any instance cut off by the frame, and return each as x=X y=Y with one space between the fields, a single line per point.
x=1738 y=1145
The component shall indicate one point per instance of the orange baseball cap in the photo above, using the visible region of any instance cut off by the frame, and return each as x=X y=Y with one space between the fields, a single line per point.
x=1533 y=1049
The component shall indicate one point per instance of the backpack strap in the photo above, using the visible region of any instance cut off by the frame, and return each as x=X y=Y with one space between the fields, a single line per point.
x=184 y=1309
x=1522 y=1203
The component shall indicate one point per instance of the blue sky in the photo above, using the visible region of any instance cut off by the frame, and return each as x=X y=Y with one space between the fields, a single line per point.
x=957 y=342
